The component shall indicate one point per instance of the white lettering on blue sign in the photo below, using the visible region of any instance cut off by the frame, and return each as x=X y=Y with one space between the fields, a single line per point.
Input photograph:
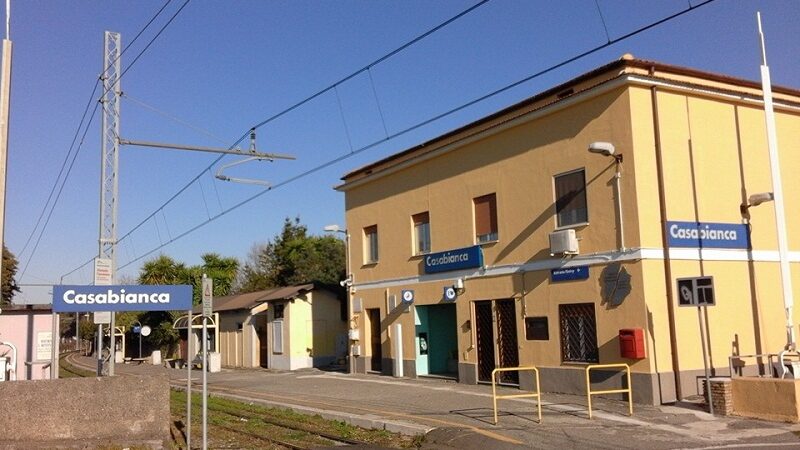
x=462 y=258
x=705 y=233
x=76 y=298
x=112 y=298
x=447 y=258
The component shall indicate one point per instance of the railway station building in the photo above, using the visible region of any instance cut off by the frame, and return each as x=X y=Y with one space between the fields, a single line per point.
x=582 y=226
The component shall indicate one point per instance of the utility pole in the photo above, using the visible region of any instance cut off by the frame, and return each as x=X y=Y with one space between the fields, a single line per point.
x=109 y=164
x=5 y=93
x=109 y=161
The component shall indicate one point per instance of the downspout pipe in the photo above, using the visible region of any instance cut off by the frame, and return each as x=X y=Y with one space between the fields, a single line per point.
x=662 y=204
x=617 y=177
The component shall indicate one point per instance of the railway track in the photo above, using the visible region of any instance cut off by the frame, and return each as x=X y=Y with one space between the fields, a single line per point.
x=244 y=416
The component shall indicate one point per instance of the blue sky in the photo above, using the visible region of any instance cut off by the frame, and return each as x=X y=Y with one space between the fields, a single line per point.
x=225 y=66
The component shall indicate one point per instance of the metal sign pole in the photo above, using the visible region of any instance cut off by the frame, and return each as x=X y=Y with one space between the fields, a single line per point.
x=99 y=350
x=208 y=298
x=205 y=384
x=705 y=360
x=189 y=357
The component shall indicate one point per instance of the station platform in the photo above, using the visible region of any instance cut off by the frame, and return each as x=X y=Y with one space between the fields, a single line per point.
x=460 y=416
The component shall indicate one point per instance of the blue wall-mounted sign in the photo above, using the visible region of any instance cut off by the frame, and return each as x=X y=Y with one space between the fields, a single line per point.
x=122 y=298
x=707 y=235
x=569 y=273
x=407 y=296
x=462 y=258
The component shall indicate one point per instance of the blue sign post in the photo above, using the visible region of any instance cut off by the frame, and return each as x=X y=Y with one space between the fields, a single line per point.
x=68 y=298
x=461 y=258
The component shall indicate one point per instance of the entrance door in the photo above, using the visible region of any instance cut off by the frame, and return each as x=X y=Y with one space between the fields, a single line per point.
x=496 y=330
x=263 y=344
x=374 y=315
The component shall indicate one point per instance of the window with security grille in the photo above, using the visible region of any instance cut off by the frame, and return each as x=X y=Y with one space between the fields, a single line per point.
x=571 y=199
x=485 y=218
x=422 y=233
x=578 y=333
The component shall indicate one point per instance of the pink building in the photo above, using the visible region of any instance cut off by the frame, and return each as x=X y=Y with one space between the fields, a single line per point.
x=29 y=329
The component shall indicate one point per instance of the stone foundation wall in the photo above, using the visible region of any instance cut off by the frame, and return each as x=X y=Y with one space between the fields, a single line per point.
x=122 y=410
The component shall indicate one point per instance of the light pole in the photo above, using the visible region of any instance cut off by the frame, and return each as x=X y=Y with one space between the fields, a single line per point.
x=607 y=149
x=347 y=283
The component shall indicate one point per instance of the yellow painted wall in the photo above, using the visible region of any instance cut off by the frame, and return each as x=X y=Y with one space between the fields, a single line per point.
x=714 y=156
x=518 y=165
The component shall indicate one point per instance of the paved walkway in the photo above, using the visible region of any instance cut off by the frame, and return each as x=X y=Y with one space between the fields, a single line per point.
x=460 y=416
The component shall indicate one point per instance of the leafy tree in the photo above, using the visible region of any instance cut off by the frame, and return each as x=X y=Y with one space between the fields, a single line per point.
x=9 y=285
x=220 y=269
x=165 y=270
x=293 y=257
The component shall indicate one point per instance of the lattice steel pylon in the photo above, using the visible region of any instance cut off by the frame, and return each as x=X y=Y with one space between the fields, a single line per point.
x=109 y=160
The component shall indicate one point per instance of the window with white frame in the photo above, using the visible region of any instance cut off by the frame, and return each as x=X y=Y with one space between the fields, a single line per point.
x=571 y=198
x=485 y=218
x=422 y=233
x=371 y=244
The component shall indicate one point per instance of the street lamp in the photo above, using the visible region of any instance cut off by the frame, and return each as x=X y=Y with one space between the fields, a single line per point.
x=608 y=149
x=347 y=283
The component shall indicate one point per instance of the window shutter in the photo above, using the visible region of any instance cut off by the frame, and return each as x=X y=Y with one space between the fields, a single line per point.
x=485 y=215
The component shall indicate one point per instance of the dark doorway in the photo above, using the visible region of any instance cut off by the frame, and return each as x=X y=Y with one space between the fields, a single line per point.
x=485 y=332
x=496 y=330
x=263 y=344
x=376 y=363
x=507 y=339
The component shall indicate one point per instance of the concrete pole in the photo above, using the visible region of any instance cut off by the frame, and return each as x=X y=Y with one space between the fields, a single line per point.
x=777 y=192
x=397 y=343
x=5 y=93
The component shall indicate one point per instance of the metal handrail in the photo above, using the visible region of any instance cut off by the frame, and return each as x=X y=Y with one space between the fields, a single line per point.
x=537 y=395
x=629 y=390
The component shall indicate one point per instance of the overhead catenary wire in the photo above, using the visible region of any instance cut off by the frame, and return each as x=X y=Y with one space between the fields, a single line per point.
x=422 y=124
x=300 y=103
x=77 y=133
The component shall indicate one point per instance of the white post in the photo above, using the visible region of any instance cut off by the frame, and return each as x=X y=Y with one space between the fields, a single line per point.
x=777 y=192
x=99 y=350
x=205 y=384
x=189 y=355
x=397 y=344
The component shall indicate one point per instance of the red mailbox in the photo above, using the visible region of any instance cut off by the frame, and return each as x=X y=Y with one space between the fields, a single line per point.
x=631 y=343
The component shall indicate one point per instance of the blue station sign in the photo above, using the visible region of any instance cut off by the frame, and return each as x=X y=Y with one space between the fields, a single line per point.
x=569 y=273
x=707 y=235
x=462 y=258
x=121 y=298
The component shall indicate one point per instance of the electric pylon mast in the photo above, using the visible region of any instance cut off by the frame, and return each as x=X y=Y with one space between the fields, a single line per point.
x=109 y=162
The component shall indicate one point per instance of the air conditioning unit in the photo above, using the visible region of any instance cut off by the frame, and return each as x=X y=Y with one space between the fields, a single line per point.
x=563 y=242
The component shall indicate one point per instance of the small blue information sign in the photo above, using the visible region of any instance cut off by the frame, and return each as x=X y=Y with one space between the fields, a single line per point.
x=569 y=274
x=68 y=298
x=461 y=258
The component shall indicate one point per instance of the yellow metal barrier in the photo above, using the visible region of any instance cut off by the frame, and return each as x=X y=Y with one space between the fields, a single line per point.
x=518 y=369
x=590 y=392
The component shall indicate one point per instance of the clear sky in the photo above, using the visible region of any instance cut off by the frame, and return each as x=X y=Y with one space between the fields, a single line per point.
x=223 y=67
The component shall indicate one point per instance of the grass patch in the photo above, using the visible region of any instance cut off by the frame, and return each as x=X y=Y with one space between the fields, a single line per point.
x=226 y=415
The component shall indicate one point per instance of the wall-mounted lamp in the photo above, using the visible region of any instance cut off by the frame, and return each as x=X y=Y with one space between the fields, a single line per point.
x=605 y=149
x=755 y=200
x=608 y=149
x=459 y=286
